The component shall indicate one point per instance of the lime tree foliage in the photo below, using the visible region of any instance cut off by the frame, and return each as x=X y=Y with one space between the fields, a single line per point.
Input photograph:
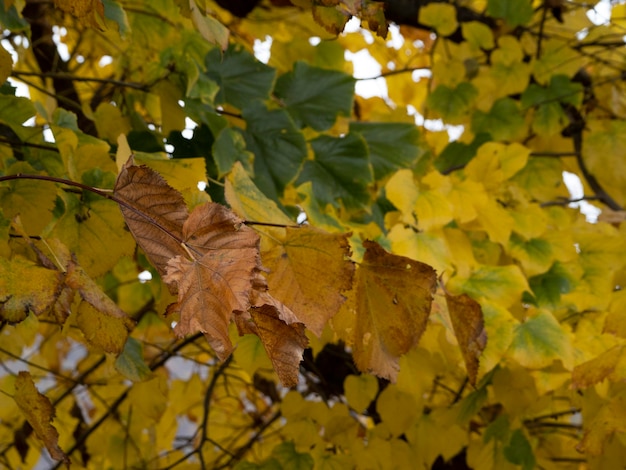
x=208 y=260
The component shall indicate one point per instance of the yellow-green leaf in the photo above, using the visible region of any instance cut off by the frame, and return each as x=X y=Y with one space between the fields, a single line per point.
x=360 y=390
x=441 y=16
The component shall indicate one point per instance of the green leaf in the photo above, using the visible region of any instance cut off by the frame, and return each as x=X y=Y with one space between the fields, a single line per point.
x=278 y=147
x=314 y=96
x=289 y=458
x=340 y=170
x=519 y=451
x=210 y=29
x=548 y=287
x=230 y=147
x=560 y=90
x=514 y=12
x=131 y=364
x=458 y=154
x=452 y=104
x=240 y=76
x=114 y=11
x=11 y=19
x=540 y=340
x=14 y=110
x=392 y=146
x=535 y=255
x=504 y=121
x=478 y=34
x=330 y=18
x=501 y=284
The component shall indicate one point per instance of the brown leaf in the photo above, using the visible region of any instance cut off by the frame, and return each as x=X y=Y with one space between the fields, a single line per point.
x=218 y=280
x=393 y=301
x=304 y=263
x=469 y=328
x=39 y=413
x=154 y=212
x=283 y=343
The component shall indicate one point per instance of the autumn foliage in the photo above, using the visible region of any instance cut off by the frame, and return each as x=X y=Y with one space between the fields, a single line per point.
x=219 y=250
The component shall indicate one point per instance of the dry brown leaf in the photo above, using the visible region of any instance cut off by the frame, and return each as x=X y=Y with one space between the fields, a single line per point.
x=39 y=413
x=469 y=328
x=393 y=301
x=308 y=271
x=283 y=343
x=154 y=212
x=218 y=280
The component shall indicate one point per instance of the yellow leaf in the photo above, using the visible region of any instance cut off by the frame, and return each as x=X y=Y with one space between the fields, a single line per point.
x=478 y=34
x=441 y=16
x=467 y=198
x=501 y=284
x=111 y=123
x=495 y=162
x=394 y=295
x=39 y=413
x=88 y=12
x=397 y=409
x=496 y=221
x=500 y=326
x=102 y=330
x=611 y=364
x=360 y=390
x=616 y=319
x=150 y=399
x=402 y=193
x=26 y=287
x=304 y=262
x=210 y=29
x=433 y=209
x=247 y=201
x=608 y=420
x=6 y=65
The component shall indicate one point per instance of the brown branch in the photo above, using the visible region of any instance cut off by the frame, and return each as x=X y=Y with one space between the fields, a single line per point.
x=68 y=76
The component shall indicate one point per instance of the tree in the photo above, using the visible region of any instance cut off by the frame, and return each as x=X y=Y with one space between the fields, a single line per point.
x=305 y=278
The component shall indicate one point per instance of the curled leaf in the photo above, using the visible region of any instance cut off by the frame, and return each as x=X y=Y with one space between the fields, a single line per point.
x=284 y=343
x=469 y=328
x=39 y=413
x=154 y=212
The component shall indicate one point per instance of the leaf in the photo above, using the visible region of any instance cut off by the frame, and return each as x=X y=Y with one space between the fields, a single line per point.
x=514 y=12
x=248 y=202
x=6 y=65
x=540 y=340
x=131 y=364
x=303 y=263
x=284 y=343
x=360 y=391
x=440 y=16
x=394 y=296
x=314 y=96
x=606 y=421
x=39 y=413
x=218 y=280
x=154 y=212
x=500 y=284
x=241 y=78
x=478 y=34
x=210 y=29
x=452 y=104
x=88 y=12
x=504 y=121
x=469 y=329
x=519 y=451
x=286 y=454
x=330 y=18
x=391 y=145
x=102 y=330
x=611 y=364
x=32 y=200
x=340 y=170
x=230 y=147
x=26 y=287
x=278 y=147
x=114 y=11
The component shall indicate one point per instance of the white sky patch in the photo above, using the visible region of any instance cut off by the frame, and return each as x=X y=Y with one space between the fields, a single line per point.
x=575 y=188
x=601 y=13
x=144 y=276
x=202 y=185
x=57 y=35
x=262 y=49
x=105 y=60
